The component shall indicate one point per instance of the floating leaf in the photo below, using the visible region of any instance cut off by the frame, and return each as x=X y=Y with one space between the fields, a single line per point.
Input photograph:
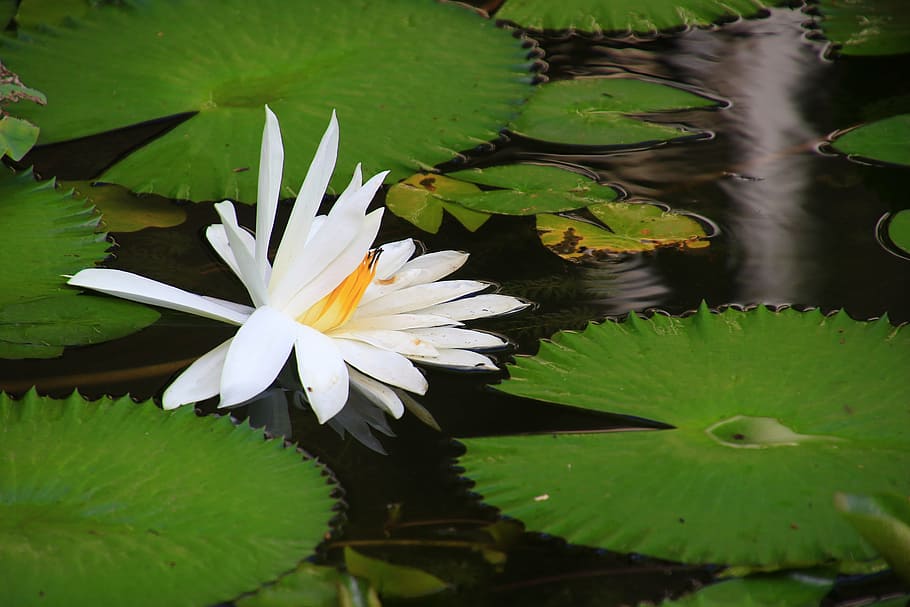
x=631 y=228
x=17 y=137
x=598 y=111
x=899 y=230
x=624 y=15
x=759 y=591
x=884 y=521
x=311 y=586
x=123 y=211
x=774 y=412
x=115 y=503
x=528 y=189
x=422 y=198
x=887 y=140
x=867 y=27
x=47 y=234
x=398 y=87
x=390 y=579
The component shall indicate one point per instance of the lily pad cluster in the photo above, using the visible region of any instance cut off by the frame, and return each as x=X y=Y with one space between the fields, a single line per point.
x=48 y=235
x=773 y=412
x=867 y=27
x=114 y=502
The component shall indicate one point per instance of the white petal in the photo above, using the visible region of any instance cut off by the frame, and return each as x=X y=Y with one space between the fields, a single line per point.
x=420 y=270
x=339 y=268
x=458 y=359
x=199 y=381
x=242 y=308
x=257 y=354
x=419 y=296
x=377 y=393
x=396 y=322
x=397 y=341
x=479 y=306
x=271 y=160
x=387 y=367
x=148 y=291
x=450 y=337
x=309 y=197
x=394 y=255
x=322 y=371
x=218 y=238
x=247 y=270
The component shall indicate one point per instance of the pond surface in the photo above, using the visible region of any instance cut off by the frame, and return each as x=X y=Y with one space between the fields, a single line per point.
x=796 y=225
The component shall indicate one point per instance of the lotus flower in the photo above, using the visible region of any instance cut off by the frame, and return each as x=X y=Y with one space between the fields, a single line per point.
x=354 y=316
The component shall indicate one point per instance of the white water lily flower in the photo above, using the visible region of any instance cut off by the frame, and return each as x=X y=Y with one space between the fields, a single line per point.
x=354 y=316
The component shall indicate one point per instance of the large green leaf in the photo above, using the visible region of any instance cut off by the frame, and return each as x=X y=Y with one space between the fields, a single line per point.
x=867 y=27
x=118 y=503
x=395 y=71
x=313 y=586
x=887 y=140
x=624 y=15
x=46 y=235
x=759 y=591
x=774 y=413
x=599 y=111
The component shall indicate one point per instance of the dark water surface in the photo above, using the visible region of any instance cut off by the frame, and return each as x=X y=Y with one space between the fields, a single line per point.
x=795 y=226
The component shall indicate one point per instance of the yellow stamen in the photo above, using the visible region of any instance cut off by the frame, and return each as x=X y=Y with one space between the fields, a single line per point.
x=336 y=308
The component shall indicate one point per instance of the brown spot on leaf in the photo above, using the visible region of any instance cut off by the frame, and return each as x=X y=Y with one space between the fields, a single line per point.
x=429 y=183
x=569 y=242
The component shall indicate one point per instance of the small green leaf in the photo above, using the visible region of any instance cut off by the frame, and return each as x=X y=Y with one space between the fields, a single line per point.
x=123 y=211
x=117 y=503
x=421 y=199
x=899 y=230
x=644 y=16
x=886 y=140
x=867 y=27
x=530 y=189
x=629 y=228
x=884 y=521
x=759 y=591
x=17 y=137
x=390 y=579
x=773 y=412
x=600 y=111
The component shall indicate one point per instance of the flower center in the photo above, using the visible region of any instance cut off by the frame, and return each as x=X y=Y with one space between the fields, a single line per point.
x=336 y=308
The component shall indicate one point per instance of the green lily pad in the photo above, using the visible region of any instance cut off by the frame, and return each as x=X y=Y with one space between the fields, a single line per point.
x=312 y=586
x=773 y=412
x=884 y=521
x=600 y=111
x=422 y=198
x=123 y=211
x=759 y=591
x=146 y=507
x=398 y=89
x=392 y=580
x=17 y=136
x=624 y=15
x=867 y=27
x=627 y=228
x=528 y=189
x=886 y=140
x=47 y=235
x=899 y=230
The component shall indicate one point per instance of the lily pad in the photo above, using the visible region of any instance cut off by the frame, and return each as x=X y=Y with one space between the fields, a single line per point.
x=17 y=136
x=601 y=111
x=141 y=504
x=642 y=16
x=627 y=228
x=884 y=521
x=790 y=590
x=312 y=586
x=390 y=579
x=528 y=189
x=47 y=234
x=867 y=27
x=886 y=140
x=398 y=86
x=123 y=211
x=422 y=198
x=774 y=411
x=899 y=230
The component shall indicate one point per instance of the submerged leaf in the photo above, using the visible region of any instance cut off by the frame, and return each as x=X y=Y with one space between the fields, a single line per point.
x=899 y=230
x=642 y=16
x=886 y=140
x=759 y=591
x=310 y=586
x=390 y=579
x=600 y=111
x=139 y=504
x=884 y=521
x=630 y=228
x=123 y=211
x=47 y=235
x=398 y=87
x=421 y=199
x=773 y=412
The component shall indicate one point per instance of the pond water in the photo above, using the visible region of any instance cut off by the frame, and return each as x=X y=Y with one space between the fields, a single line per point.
x=795 y=225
